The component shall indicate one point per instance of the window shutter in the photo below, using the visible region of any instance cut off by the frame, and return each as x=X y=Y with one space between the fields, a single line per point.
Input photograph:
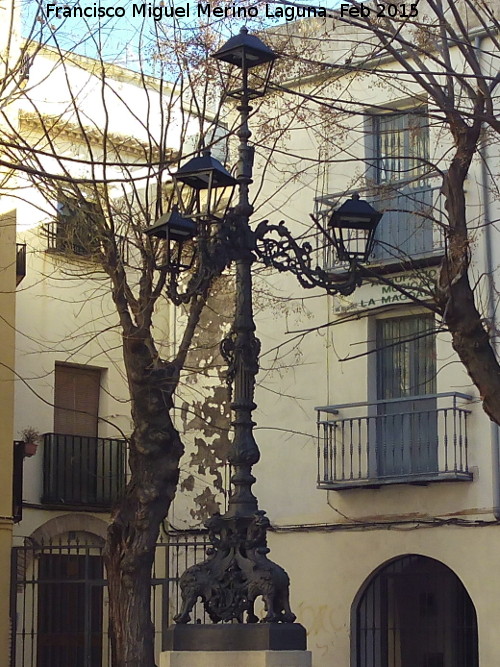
x=76 y=400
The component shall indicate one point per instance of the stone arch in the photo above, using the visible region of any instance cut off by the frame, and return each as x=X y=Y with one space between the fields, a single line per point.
x=67 y=523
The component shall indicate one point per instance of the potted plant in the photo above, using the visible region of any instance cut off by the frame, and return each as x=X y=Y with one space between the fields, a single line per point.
x=31 y=438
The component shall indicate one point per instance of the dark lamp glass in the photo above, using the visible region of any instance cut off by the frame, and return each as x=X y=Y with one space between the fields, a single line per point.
x=173 y=226
x=175 y=230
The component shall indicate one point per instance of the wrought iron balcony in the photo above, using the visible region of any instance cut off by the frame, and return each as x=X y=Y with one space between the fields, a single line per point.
x=20 y=262
x=417 y=440
x=84 y=472
x=410 y=229
x=62 y=239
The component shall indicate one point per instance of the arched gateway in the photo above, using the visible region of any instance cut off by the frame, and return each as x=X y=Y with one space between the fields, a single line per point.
x=414 y=612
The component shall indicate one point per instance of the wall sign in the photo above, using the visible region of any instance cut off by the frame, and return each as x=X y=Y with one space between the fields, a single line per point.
x=374 y=294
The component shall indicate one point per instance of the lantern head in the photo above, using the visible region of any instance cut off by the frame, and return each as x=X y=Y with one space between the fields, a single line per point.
x=255 y=60
x=353 y=226
x=204 y=188
x=175 y=230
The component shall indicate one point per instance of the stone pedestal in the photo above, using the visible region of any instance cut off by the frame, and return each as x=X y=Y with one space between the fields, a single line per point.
x=235 y=659
x=236 y=645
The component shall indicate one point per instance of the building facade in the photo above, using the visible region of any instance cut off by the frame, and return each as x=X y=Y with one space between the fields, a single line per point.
x=379 y=468
x=12 y=269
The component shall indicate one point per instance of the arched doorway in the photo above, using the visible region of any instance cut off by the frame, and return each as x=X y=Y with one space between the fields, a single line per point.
x=415 y=612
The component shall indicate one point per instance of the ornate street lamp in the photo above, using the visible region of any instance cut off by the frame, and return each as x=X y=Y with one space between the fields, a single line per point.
x=255 y=60
x=353 y=228
x=237 y=570
x=175 y=230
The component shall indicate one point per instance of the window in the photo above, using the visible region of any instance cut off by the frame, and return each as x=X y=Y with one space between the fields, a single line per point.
x=73 y=448
x=401 y=146
x=407 y=433
x=415 y=612
x=215 y=138
x=401 y=152
x=20 y=262
x=407 y=438
x=77 y=227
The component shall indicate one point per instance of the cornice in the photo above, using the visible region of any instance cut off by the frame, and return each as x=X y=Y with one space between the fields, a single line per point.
x=57 y=127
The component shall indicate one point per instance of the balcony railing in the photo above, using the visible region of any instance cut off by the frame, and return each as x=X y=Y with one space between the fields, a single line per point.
x=410 y=229
x=60 y=239
x=20 y=262
x=418 y=439
x=80 y=471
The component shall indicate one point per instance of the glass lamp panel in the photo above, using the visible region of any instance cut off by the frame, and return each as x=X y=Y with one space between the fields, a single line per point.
x=258 y=79
x=203 y=208
x=221 y=201
x=252 y=81
x=209 y=203
x=186 y=198
x=352 y=243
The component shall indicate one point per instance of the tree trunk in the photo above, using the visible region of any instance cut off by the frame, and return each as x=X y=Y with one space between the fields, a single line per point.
x=155 y=450
x=470 y=339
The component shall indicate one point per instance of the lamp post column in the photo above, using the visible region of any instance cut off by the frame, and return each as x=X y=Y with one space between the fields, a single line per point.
x=242 y=348
x=237 y=570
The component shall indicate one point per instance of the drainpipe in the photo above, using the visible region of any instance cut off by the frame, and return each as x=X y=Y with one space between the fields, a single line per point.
x=490 y=307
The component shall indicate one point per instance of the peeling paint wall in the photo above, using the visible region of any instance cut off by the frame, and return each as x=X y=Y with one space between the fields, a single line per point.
x=205 y=416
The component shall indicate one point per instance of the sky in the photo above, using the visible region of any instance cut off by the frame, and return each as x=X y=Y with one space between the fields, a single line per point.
x=126 y=35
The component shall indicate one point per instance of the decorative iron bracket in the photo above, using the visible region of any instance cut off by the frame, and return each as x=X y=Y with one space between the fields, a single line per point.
x=214 y=252
x=275 y=246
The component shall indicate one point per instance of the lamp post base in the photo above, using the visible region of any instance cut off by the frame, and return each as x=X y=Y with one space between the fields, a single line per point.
x=236 y=637
x=232 y=658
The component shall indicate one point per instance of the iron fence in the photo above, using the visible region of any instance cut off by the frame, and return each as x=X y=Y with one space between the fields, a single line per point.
x=59 y=599
x=410 y=439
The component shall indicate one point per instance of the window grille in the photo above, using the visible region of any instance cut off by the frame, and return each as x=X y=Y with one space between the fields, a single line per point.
x=59 y=598
x=401 y=146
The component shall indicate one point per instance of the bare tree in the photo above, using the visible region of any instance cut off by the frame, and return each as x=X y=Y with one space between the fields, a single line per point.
x=99 y=189
x=93 y=157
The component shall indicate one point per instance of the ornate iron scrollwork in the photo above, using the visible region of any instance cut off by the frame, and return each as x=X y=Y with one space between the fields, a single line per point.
x=276 y=247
